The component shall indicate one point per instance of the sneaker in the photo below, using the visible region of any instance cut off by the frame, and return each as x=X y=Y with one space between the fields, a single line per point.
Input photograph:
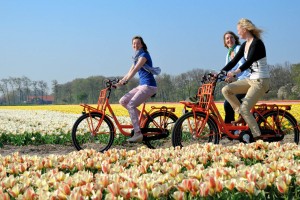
x=136 y=138
x=192 y=100
x=246 y=138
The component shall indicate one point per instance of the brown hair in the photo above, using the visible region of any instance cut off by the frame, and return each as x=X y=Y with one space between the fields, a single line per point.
x=142 y=41
x=247 y=24
x=237 y=39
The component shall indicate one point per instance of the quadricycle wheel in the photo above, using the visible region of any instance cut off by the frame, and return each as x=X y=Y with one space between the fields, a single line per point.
x=88 y=133
x=163 y=122
x=279 y=126
x=191 y=128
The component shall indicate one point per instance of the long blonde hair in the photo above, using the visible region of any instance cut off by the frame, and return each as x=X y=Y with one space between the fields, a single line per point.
x=247 y=24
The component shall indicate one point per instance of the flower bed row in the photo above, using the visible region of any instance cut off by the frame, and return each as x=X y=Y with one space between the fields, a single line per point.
x=202 y=171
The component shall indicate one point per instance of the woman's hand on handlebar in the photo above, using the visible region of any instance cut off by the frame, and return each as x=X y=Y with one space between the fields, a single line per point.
x=229 y=79
x=120 y=83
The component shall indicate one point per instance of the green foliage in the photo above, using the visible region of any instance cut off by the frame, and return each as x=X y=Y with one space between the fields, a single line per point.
x=34 y=139
x=250 y=162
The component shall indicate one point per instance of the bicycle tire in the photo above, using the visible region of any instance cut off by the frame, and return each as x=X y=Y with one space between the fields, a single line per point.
x=280 y=121
x=182 y=134
x=165 y=120
x=82 y=137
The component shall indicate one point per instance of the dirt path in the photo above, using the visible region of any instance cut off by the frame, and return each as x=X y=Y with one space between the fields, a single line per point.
x=47 y=149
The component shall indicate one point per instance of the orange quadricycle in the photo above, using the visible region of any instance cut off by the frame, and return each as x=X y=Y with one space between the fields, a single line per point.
x=202 y=121
x=96 y=127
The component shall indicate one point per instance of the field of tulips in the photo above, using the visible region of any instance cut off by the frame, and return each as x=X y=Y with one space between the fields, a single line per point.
x=200 y=171
x=203 y=171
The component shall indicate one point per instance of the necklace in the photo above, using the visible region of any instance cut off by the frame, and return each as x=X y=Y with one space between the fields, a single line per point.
x=230 y=50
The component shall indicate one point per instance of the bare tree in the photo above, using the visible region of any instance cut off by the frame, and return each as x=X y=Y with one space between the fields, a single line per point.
x=5 y=90
x=26 y=84
x=43 y=86
x=18 y=84
x=35 y=89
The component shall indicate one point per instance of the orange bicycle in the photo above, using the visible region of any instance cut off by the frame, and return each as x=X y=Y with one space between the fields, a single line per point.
x=202 y=121
x=95 y=128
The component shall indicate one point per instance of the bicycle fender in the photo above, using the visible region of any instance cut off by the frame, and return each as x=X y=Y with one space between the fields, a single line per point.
x=106 y=118
x=168 y=113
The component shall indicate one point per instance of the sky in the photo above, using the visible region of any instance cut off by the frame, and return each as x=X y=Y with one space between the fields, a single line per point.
x=67 y=39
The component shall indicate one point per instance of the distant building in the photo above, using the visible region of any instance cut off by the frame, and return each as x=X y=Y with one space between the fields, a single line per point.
x=47 y=99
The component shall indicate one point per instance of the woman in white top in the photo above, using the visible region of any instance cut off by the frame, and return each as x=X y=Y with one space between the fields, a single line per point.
x=254 y=52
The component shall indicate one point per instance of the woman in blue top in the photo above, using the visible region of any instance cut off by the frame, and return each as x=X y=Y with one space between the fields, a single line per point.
x=232 y=43
x=147 y=85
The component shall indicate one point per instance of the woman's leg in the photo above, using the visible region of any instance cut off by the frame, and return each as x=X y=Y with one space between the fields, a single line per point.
x=127 y=97
x=142 y=94
x=257 y=89
x=229 y=112
x=230 y=91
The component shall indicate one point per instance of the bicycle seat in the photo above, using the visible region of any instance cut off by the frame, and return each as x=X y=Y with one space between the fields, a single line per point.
x=153 y=95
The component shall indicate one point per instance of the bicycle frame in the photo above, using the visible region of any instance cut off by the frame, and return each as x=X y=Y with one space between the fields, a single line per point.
x=207 y=106
x=104 y=108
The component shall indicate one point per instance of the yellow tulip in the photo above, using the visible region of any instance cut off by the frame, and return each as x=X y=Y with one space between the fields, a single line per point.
x=178 y=195
x=15 y=191
x=230 y=184
x=262 y=184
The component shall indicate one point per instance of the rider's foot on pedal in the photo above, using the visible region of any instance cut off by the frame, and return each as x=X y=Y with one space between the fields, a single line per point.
x=249 y=139
x=240 y=120
x=246 y=138
x=137 y=137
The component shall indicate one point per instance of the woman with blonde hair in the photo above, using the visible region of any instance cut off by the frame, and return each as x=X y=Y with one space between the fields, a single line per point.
x=254 y=52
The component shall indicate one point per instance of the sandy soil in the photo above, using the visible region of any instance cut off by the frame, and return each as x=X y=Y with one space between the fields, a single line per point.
x=47 y=149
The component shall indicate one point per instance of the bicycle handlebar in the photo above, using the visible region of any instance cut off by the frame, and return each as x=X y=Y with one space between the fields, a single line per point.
x=110 y=83
x=213 y=78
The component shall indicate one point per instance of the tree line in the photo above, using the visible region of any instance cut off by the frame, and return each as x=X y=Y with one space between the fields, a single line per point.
x=285 y=84
x=17 y=90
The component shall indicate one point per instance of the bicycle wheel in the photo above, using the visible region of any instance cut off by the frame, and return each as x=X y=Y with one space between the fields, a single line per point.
x=188 y=125
x=83 y=138
x=161 y=120
x=281 y=124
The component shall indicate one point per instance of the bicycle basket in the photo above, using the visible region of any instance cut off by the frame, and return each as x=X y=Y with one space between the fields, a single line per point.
x=102 y=99
x=205 y=93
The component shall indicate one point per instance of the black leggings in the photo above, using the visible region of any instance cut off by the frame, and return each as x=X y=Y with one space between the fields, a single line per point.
x=229 y=112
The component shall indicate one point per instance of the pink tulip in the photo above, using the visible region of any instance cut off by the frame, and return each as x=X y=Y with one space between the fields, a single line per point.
x=143 y=194
x=204 y=189
x=282 y=187
x=105 y=167
x=80 y=166
x=219 y=186
x=262 y=184
x=230 y=184
x=97 y=196
x=4 y=196
x=29 y=194
x=66 y=189
x=212 y=182
x=76 y=195
x=114 y=189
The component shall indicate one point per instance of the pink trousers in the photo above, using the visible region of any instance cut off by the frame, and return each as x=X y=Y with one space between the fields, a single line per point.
x=134 y=99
